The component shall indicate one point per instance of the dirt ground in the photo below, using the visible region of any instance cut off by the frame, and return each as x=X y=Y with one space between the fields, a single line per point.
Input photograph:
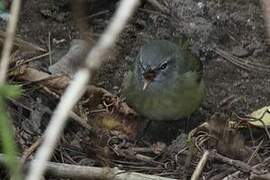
x=236 y=27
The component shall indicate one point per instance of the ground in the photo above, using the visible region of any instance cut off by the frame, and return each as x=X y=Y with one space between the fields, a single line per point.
x=236 y=27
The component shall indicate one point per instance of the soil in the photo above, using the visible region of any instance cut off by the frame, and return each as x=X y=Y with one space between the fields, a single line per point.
x=236 y=27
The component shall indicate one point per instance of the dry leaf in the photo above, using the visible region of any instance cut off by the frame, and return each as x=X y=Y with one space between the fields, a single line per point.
x=22 y=44
x=263 y=116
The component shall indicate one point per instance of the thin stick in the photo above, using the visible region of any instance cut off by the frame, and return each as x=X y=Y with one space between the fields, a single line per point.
x=266 y=10
x=31 y=149
x=242 y=166
x=11 y=29
x=88 y=172
x=159 y=6
x=56 y=125
x=50 y=48
x=77 y=86
x=257 y=166
x=27 y=61
x=245 y=65
x=200 y=166
x=255 y=152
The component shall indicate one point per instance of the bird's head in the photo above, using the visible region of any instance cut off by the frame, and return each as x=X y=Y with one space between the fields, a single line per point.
x=157 y=64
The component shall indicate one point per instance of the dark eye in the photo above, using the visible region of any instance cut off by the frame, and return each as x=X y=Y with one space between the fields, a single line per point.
x=163 y=66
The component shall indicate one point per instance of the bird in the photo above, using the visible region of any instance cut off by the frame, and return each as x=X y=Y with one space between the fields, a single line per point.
x=165 y=82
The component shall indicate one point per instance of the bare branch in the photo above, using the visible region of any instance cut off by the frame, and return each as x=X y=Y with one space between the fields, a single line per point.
x=77 y=87
x=159 y=6
x=200 y=166
x=266 y=9
x=88 y=172
x=11 y=29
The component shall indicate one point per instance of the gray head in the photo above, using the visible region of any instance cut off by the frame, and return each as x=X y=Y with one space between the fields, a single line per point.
x=158 y=62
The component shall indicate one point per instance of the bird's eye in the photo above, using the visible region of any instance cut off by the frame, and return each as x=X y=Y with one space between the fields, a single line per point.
x=163 y=66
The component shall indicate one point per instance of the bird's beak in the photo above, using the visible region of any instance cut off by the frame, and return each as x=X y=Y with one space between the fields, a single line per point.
x=145 y=84
x=149 y=77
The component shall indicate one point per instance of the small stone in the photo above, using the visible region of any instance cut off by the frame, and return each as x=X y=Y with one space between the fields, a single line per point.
x=245 y=75
x=100 y=83
x=200 y=5
x=46 y=13
x=115 y=88
x=100 y=106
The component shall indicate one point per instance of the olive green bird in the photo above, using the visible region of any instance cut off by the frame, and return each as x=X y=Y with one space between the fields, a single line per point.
x=165 y=82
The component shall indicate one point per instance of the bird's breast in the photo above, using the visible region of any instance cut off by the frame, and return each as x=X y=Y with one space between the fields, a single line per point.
x=167 y=103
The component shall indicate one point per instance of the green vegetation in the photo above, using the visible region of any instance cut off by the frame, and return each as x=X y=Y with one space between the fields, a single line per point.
x=8 y=144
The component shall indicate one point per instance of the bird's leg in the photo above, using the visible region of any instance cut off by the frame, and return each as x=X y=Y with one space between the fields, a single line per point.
x=186 y=124
x=145 y=128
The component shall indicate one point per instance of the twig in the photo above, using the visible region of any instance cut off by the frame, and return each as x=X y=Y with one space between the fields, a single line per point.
x=235 y=163
x=200 y=166
x=76 y=89
x=11 y=29
x=265 y=162
x=20 y=63
x=71 y=96
x=255 y=152
x=250 y=66
x=154 y=12
x=266 y=10
x=159 y=6
x=50 y=48
x=222 y=174
x=260 y=177
x=257 y=166
x=89 y=172
x=81 y=121
x=91 y=16
x=21 y=44
x=33 y=58
x=31 y=149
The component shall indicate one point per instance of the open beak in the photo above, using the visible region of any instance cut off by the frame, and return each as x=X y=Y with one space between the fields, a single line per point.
x=149 y=77
x=145 y=84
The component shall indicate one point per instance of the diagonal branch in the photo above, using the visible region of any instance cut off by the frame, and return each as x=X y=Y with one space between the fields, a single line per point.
x=11 y=29
x=77 y=87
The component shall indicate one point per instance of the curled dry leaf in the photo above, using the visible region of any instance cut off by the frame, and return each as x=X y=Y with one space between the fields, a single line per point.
x=217 y=134
x=261 y=116
x=27 y=73
x=115 y=122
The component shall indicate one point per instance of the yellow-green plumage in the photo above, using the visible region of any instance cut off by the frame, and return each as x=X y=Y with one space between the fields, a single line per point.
x=176 y=91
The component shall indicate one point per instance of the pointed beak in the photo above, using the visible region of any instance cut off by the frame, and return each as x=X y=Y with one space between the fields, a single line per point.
x=149 y=77
x=145 y=84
